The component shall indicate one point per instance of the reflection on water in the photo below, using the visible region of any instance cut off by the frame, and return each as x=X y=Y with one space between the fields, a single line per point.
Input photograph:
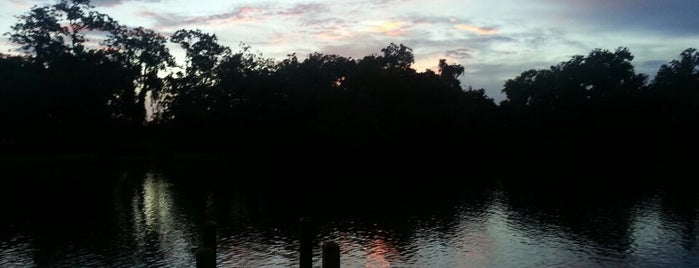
x=16 y=252
x=133 y=220
x=161 y=232
x=378 y=251
x=146 y=219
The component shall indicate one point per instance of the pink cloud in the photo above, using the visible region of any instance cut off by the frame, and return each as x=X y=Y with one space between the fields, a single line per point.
x=303 y=9
x=328 y=29
x=165 y=21
x=19 y=3
x=476 y=29
x=245 y=14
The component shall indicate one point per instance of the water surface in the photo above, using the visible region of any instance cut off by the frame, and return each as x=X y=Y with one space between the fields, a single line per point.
x=145 y=217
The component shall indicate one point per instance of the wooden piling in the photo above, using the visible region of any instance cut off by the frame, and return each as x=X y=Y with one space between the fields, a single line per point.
x=209 y=236
x=306 y=241
x=331 y=255
x=206 y=258
x=206 y=255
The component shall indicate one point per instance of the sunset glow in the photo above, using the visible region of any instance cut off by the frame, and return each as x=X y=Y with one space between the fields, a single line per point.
x=494 y=41
x=391 y=28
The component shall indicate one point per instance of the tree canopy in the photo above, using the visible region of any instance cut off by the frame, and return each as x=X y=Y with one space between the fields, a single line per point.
x=124 y=91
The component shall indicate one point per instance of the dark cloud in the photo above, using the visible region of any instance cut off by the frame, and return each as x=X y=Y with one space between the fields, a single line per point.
x=162 y=19
x=102 y=3
x=474 y=43
x=667 y=17
x=540 y=38
x=461 y=53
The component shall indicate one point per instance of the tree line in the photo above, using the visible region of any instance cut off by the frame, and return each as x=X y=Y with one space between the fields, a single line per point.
x=86 y=83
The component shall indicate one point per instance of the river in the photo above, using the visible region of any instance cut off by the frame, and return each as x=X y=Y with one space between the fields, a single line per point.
x=152 y=218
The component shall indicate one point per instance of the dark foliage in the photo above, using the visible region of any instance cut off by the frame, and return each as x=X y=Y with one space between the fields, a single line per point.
x=125 y=94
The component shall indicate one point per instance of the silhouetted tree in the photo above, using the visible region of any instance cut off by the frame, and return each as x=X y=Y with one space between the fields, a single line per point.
x=674 y=98
x=144 y=56
x=70 y=93
x=599 y=76
x=80 y=85
x=577 y=97
x=49 y=32
x=677 y=84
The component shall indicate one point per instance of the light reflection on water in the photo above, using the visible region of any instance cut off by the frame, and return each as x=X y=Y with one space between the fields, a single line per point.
x=152 y=221
x=161 y=231
x=16 y=252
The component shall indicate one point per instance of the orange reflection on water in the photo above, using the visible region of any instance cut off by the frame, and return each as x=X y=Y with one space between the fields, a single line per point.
x=378 y=250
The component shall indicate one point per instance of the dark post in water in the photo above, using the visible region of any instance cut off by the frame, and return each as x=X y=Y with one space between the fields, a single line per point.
x=206 y=256
x=209 y=237
x=331 y=255
x=306 y=239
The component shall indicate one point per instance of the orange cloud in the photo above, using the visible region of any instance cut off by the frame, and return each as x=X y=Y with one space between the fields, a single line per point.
x=392 y=28
x=335 y=33
x=476 y=29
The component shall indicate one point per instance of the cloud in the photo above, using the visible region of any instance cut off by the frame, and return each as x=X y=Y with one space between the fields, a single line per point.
x=543 y=38
x=325 y=29
x=668 y=17
x=113 y=3
x=476 y=29
x=461 y=53
x=169 y=21
x=303 y=9
x=20 y=4
x=106 y=3
x=388 y=27
x=246 y=14
x=316 y=22
x=388 y=2
x=250 y=14
x=163 y=21
x=493 y=40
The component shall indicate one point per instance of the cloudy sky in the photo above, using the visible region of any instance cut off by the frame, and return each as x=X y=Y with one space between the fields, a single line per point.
x=494 y=39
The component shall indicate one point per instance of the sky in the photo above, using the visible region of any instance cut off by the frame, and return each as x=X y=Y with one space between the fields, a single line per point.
x=493 y=39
